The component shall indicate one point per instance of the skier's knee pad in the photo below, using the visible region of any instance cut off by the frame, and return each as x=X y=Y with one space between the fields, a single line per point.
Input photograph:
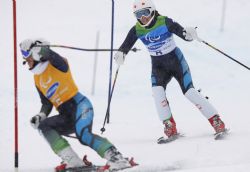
x=201 y=103
x=161 y=103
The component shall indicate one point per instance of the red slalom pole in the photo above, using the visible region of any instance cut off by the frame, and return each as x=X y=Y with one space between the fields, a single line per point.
x=15 y=84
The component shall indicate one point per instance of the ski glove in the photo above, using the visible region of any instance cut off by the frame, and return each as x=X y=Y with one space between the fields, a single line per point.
x=33 y=47
x=35 y=120
x=190 y=34
x=119 y=58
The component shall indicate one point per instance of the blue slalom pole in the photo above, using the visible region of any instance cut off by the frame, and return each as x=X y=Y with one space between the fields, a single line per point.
x=111 y=59
x=110 y=72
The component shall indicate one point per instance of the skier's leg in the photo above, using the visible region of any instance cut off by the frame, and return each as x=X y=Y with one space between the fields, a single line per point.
x=159 y=79
x=181 y=71
x=83 y=126
x=59 y=144
x=206 y=109
x=201 y=103
x=161 y=103
x=184 y=78
x=84 y=120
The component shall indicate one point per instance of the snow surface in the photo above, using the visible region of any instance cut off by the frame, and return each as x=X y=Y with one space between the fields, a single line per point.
x=134 y=126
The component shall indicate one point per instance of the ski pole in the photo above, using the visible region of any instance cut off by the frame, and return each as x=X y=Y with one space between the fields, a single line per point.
x=109 y=101
x=84 y=49
x=225 y=54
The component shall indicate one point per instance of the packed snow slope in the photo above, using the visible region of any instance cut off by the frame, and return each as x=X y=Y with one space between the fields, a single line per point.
x=134 y=125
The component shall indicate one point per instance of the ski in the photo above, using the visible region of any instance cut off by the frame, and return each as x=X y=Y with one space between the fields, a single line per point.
x=93 y=168
x=221 y=135
x=98 y=168
x=163 y=140
x=88 y=167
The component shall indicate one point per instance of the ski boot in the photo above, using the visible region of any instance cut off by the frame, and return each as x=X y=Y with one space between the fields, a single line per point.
x=219 y=127
x=116 y=161
x=69 y=160
x=217 y=124
x=87 y=165
x=170 y=127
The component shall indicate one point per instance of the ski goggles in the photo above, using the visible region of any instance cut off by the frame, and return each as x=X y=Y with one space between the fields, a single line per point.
x=26 y=53
x=144 y=12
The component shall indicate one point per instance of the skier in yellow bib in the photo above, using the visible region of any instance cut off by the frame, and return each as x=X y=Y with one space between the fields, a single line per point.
x=57 y=88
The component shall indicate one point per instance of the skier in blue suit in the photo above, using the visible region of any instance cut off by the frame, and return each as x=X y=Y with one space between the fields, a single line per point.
x=56 y=87
x=156 y=33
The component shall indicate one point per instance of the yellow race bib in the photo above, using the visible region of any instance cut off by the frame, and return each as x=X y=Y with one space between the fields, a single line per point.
x=56 y=85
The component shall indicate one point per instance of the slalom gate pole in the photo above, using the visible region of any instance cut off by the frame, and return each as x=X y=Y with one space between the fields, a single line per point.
x=225 y=54
x=15 y=86
x=111 y=60
x=109 y=101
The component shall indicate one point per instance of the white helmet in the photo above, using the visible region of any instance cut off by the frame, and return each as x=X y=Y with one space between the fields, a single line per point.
x=144 y=4
x=141 y=4
x=32 y=47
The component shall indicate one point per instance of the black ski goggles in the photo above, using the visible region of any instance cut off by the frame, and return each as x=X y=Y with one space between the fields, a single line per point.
x=144 y=12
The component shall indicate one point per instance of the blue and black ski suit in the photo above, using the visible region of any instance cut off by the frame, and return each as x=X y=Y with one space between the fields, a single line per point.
x=75 y=114
x=167 y=59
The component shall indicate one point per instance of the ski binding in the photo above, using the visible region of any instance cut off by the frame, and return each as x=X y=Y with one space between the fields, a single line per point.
x=106 y=168
x=163 y=140
x=221 y=135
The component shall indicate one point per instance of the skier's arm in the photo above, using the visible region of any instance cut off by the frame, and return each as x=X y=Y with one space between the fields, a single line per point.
x=175 y=28
x=44 y=112
x=129 y=41
x=46 y=104
x=55 y=59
